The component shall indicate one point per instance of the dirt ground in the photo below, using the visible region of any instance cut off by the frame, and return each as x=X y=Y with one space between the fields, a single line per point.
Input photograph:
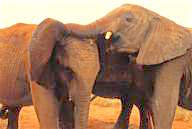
x=103 y=113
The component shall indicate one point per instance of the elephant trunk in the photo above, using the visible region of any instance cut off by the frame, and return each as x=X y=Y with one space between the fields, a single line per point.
x=91 y=30
x=82 y=101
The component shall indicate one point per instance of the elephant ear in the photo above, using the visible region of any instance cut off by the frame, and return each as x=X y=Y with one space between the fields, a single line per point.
x=164 y=40
x=44 y=38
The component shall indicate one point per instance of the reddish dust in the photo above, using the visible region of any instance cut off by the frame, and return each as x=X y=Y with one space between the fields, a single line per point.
x=103 y=114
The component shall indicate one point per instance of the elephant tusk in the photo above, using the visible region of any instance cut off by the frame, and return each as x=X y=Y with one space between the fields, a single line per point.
x=93 y=97
x=108 y=35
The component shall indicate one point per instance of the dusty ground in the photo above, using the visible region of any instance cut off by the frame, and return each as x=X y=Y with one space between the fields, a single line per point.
x=103 y=113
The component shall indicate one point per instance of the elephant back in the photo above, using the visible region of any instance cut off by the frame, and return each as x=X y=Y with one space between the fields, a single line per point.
x=12 y=71
x=14 y=41
x=19 y=32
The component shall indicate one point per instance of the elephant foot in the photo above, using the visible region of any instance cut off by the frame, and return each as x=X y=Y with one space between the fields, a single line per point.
x=13 y=116
x=120 y=126
x=127 y=127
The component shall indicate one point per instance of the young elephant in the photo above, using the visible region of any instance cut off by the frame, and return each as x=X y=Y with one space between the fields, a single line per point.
x=127 y=81
x=133 y=90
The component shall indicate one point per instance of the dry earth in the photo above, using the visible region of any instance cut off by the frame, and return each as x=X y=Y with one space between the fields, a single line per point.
x=103 y=113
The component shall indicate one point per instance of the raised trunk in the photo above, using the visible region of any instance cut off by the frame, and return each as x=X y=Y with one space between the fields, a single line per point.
x=90 y=30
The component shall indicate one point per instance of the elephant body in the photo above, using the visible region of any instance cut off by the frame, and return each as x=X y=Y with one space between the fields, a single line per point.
x=14 y=43
x=15 y=90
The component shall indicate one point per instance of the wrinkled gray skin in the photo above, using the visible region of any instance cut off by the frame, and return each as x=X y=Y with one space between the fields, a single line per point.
x=159 y=42
x=15 y=90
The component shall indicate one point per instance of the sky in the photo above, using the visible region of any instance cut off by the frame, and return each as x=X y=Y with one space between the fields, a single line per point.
x=86 y=11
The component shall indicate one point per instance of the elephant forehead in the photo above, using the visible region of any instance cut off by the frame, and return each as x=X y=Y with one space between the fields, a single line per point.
x=82 y=55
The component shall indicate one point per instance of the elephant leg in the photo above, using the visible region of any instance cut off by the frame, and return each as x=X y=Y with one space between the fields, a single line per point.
x=46 y=106
x=66 y=115
x=166 y=92
x=123 y=119
x=13 y=116
x=145 y=117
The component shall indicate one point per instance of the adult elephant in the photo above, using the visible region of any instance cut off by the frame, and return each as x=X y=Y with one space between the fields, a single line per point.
x=14 y=86
x=132 y=84
x=158 y=42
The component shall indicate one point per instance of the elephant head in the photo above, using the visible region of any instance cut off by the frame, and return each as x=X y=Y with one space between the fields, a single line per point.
x=136 y=29
x=63 y=68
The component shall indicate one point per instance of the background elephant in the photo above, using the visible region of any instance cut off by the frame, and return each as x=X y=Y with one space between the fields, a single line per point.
x=14 y=88
x=157 y=42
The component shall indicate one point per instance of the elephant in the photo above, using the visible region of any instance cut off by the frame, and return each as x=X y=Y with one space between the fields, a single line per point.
x=128 y=94
x=127 y=81
x=155 y=41
x=15 y=90
x=75 y=70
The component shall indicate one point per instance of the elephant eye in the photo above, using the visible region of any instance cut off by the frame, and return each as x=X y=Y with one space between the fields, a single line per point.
x=129 y=17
